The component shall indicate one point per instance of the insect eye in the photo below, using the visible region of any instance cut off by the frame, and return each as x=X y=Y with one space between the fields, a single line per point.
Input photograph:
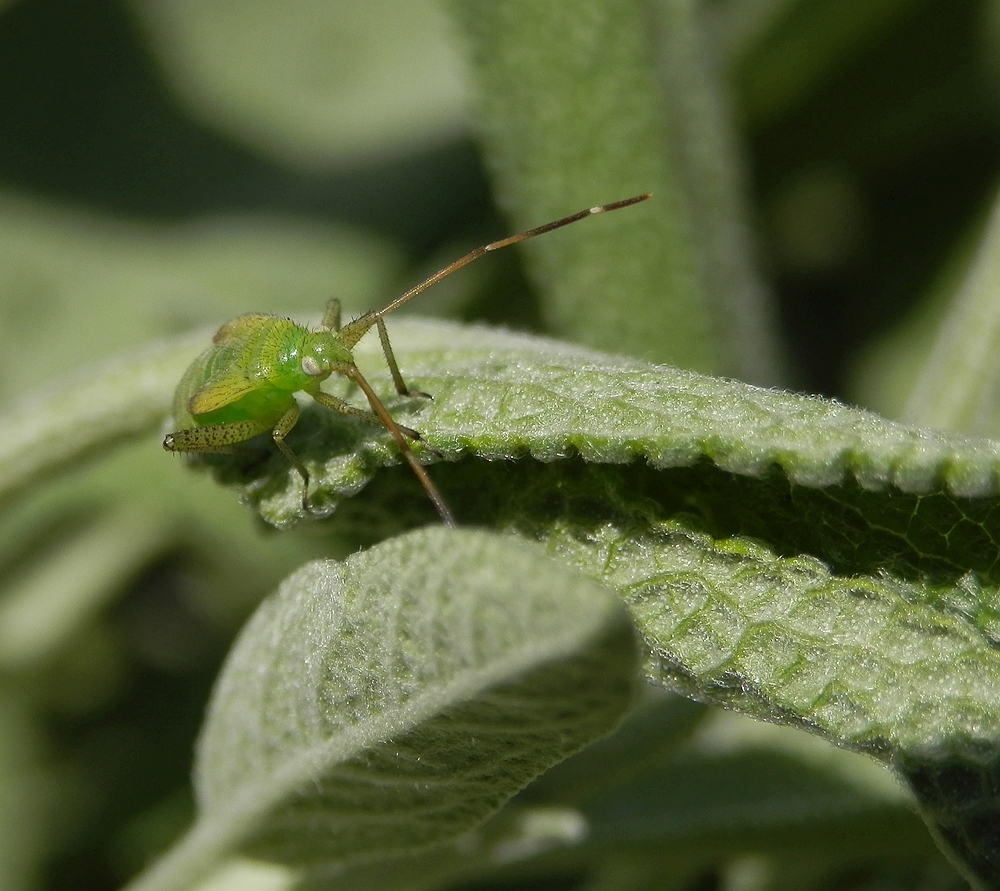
x=311 y=367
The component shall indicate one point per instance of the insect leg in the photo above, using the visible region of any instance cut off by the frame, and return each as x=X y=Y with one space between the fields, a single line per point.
x=284 y=426
x=213 y=437
x=383 y=416
x=345 y=408
x=390 y=360
x=331 y=315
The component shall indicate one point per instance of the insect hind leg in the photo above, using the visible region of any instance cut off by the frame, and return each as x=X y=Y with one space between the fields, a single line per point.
x=213 y=437
x=220 y=438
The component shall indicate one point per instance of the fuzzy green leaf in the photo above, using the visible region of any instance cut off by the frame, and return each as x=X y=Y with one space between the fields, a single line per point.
x=98 y=408
x=500 y=396
x=870 y=539
x=790 y=557
x=581 y=105
x=957 y=386
x=669 y=803
x=41 y=609
x=398 y=698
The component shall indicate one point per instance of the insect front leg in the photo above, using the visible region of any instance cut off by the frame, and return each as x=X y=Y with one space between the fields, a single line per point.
x=399 y=435
x=382 y=417
x=332 y=402
x=390 y=360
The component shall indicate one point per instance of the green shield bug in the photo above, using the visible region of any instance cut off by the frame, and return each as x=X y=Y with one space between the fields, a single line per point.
x=243 y=385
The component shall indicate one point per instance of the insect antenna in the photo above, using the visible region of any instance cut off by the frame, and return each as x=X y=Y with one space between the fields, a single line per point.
x=351 y=333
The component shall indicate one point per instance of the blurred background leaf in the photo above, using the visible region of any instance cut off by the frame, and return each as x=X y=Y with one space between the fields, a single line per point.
x=166 y=165
x=313 y=84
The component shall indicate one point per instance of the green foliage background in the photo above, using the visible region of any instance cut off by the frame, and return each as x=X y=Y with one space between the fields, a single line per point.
x=819 y=582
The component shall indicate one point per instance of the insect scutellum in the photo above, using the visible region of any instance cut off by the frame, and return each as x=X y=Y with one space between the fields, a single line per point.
x=243 y=385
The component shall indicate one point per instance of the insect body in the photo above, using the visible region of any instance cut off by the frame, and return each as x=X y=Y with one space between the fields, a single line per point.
x=244 y=384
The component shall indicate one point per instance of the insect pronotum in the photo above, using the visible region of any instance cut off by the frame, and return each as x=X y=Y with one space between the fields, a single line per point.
x=244 y=384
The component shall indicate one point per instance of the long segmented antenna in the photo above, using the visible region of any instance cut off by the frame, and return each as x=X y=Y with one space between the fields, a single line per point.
x=507 y=242
x=354 y=331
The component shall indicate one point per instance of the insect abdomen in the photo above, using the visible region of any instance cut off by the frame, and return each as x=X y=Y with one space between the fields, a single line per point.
x=266 y=399
x=264 y=403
